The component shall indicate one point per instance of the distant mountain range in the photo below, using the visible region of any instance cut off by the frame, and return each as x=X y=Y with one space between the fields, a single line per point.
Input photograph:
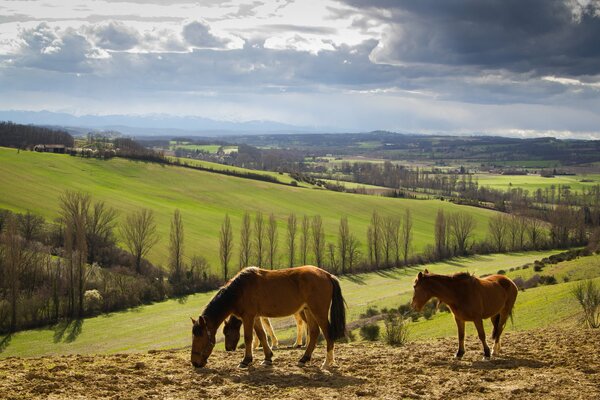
x=151 y=124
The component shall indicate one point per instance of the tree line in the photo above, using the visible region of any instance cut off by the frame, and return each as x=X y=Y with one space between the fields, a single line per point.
x=24 y=136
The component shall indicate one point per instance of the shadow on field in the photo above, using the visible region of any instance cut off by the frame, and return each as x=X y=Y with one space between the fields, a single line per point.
x=72 y=329
x=314 y=379
x=5 y=341
x=356 y=278
x=501 y=363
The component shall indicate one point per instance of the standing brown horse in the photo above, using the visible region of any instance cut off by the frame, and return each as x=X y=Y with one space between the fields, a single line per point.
x=470 y=299
x=255 y=292
x=231 y=331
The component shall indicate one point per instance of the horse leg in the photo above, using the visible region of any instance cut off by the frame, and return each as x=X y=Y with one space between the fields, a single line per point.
x=299 y=330
x=496 y=334
x=320 y=315
x=248 y=322
x=260 y=333
x=504 y=314
x=313 y=335
x=460 y=324
x=256 y=341
x=266 y=323
x=481 y=332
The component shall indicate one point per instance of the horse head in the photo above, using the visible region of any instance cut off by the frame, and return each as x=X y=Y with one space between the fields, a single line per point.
x=231 y=330
x=203 y=342
x=421 y=293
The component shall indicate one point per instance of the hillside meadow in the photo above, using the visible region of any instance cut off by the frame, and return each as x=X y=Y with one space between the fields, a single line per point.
x=534 y=182
x=167 y=325
x=35 y=181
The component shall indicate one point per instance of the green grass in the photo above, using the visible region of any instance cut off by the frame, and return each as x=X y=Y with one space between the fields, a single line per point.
x=167 y=324
x=577 y=269
x=534 y=182
x=35 y=181
x=208 y=148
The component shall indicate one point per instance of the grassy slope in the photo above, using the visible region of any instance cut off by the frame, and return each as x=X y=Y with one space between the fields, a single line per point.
x=34 y=181
x=166 y=324
x=533 y=182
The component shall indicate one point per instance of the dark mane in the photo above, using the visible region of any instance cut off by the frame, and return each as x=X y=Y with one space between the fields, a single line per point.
x=223 y=301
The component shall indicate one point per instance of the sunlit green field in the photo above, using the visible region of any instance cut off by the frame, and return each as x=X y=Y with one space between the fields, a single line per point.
x=534 y=182
x=35 y=181
x=167 y=324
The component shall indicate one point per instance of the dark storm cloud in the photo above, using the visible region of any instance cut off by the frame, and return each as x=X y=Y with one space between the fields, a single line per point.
x=542 y=36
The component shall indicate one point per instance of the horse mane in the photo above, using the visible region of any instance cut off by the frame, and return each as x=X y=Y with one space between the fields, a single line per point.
x=463 y=275
x=224 y=299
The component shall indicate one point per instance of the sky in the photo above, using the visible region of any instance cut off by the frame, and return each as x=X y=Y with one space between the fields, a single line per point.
x=520 y=68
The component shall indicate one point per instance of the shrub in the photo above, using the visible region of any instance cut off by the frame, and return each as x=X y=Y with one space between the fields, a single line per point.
x=501 y=272
x=548 y=280
x=396 y=329
x=369 y=332
x=92 y=301
x=370 y=312
x=588 y=296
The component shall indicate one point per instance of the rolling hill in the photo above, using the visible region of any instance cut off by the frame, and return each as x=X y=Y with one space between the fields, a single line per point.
x=35 y=181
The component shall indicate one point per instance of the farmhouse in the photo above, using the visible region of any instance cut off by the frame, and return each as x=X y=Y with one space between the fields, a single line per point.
x=50 y=148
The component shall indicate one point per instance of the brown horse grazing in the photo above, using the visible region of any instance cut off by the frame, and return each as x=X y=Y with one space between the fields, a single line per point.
x=231 y=331
x=257 y=292
x=470 y=299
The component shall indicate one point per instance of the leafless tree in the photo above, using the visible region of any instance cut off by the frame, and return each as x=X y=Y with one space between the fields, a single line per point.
x=14 y=262
x=391 y=240
x=304 y=239
x=353 y=252
x=272 y=239
x=441 y=242
x=333 y=262
x=462 y=226
x=535 y=232
x=259 y=238
x=176 y=242
x=406 y=235
x=225 y=246
x=29 y=226
x=343 y=241
x=245 y=241
x=99 y=230
x=377 y=237
x=139 y=234
x=291 y=238
x=497 y=227
x=318 y=240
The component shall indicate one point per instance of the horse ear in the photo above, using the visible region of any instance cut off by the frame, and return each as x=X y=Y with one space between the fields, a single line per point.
x=193 y=321
x=420 y=275
x=426 y=271
x=201 y=321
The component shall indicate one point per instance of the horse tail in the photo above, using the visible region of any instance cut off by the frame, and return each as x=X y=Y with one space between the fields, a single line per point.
x=337 y=313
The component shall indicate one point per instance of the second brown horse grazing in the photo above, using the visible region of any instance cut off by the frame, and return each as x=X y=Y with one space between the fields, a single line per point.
x=470 y=299
x=255 y=292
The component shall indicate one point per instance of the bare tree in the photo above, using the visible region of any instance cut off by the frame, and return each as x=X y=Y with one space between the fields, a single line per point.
x=304 y=239
x=333 y=262
x=497 y=227
x=462 y=225
x=99 y=231
x=225 y=246
x=29 y=226
x=406 y=235
x=259 y=238
x=535 y=232
x=291 y=238
x=376 y=237
x=318 y=240
x=139 y=234
x=14 y=262
x=353 y=252
x=441 y=243
x=176 y=240
x=272 y=238
x=343 y=239
x=245 y=241
x=391 y=242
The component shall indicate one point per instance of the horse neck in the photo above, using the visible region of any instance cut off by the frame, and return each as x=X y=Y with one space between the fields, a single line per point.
x=443 y=288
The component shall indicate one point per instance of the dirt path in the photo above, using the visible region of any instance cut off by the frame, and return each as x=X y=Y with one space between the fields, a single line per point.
x=549 y=363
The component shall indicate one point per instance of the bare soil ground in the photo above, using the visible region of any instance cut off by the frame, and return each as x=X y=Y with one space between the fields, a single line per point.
x=548 y=363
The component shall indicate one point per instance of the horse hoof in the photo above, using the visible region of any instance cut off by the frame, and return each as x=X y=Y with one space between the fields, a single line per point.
x=275 y=347
x=301 y=364
x=244 y=364
x=267 y=363
x=486 y=358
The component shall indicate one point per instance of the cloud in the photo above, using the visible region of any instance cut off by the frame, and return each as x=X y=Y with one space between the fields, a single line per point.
x=115 y=36
x=540 y=36
x=198 y=34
